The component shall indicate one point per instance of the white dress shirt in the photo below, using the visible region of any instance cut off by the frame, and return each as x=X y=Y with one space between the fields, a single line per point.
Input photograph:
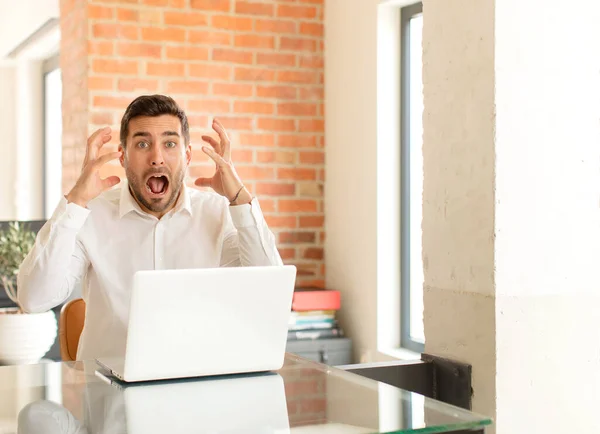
x=103 y=245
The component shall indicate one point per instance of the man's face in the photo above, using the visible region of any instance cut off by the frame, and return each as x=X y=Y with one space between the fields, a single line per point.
x=155 y=159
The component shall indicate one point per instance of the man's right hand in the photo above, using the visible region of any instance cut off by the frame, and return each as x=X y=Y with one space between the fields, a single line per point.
x=90 y=185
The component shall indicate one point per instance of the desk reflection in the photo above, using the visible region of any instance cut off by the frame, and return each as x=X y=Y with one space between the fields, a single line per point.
x=238 y=404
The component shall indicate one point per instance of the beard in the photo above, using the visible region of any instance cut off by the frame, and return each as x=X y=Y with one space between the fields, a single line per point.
x=138 y=188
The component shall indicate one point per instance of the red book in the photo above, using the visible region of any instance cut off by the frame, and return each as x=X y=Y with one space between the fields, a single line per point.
x=318 y=299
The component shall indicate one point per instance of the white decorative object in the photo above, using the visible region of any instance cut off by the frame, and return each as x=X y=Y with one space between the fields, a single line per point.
x=25 y=338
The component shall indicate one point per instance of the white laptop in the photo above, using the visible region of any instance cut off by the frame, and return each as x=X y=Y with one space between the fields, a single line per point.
x=204 y=322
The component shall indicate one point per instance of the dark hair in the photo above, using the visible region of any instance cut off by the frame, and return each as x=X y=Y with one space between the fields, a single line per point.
x=153 y=105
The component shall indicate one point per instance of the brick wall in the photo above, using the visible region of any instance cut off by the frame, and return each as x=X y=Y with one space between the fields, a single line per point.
x=257 y=65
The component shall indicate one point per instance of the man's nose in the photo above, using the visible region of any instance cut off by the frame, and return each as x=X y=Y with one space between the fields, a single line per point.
x=157 y=157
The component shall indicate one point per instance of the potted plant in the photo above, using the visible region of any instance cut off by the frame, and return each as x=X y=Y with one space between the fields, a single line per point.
x=24 y=337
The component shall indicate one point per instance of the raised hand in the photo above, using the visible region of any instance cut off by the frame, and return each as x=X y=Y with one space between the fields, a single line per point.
x=225 y=181
x=90 y=184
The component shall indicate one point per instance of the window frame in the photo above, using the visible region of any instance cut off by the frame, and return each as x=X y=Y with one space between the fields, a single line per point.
x=406 y=14
x=49 y=65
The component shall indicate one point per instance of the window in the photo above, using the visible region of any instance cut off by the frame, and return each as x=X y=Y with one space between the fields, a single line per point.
x=411 y=188
x=52 y=180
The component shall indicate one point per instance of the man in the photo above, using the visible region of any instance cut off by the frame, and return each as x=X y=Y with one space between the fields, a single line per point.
x=100 y=236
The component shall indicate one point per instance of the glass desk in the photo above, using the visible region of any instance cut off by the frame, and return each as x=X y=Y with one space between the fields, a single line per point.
x=303 y=397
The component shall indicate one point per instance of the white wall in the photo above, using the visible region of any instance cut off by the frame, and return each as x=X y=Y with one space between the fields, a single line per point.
x=9 y=145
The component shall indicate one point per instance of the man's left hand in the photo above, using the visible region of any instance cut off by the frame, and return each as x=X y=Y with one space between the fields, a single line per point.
x=225 y=181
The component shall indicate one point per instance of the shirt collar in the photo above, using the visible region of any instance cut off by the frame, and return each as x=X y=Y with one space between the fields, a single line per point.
x=128 y=204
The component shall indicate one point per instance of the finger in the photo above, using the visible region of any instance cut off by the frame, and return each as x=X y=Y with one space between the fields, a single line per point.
x=106 y=158
x=225 y=144
x=214 y=156
x=212 y=142
x=203 y=182
x=110 y=182
x=95 y=142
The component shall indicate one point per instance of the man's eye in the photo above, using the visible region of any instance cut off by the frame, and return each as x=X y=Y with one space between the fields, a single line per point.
x=170 y=144
x=142 y=145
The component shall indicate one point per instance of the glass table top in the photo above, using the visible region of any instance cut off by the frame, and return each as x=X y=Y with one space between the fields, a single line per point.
x=303 y=397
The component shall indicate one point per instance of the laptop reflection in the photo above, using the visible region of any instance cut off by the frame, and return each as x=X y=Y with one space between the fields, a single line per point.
x=253 y=403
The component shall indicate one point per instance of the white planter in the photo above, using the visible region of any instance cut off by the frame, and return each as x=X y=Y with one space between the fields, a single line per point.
x=25 y=338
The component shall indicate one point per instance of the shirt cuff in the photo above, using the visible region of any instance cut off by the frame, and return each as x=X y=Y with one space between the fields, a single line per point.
x=244 y=216
x=70 y=215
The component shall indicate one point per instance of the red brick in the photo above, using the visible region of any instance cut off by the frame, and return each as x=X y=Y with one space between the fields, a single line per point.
x=177 y=4
x=127 y=14
x=163 y=35
x=267 y=205
x=290 y=11
x=297 y=237
x=266 y=140
x=209 y=106
x=304 y=77
x=229 y=22
x=137 y=84
x=312 y=29
x=312 y=157
x=312 y=93
x=312 y=283
x=296 y=109
x=313 y=126
x=101 y=48
x=209 y=38
x=127 y=49
x=120 y=67
x=277 y=221
x=254 y=74
x=254 y=41
x=279 y=92
x=313 y=405
x=165 y=69
x=155 y=2
x=275 y=59
x=282 y=157
x=275 y=189
x=297 y=388
x=287 y=253
x=242 y=156
x=296 y=141
x=97 y=12
x=185 y=19
x=236 y=123
x=312 y=221
x=297 y=174
x=255 y=172
x=187 y=53
x=311 y=61
x=100 y=83
x=297 y=205
x=232 y=89
x=275 y=124
x=253 y=107
x=210 y=70
x=297 y=44
x=275 y=26
x=188 y=86
x=254 y=8
x=228 y=55
x=313 y=253
x=211 y=5
x=101 y=118
x=111 y=102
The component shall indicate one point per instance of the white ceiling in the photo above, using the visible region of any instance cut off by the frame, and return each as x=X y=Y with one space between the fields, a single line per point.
x=20 y=18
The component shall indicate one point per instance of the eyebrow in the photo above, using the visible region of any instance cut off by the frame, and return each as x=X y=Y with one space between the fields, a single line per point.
x=147 y=134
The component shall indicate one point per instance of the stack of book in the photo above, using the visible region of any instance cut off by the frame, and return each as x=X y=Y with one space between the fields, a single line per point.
x=314 y=314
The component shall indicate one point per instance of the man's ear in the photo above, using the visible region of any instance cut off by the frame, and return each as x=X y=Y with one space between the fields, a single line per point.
x=122 y=157
x=188 y=153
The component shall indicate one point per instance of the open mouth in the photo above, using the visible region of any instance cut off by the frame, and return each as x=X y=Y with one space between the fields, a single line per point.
x=157 y=185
